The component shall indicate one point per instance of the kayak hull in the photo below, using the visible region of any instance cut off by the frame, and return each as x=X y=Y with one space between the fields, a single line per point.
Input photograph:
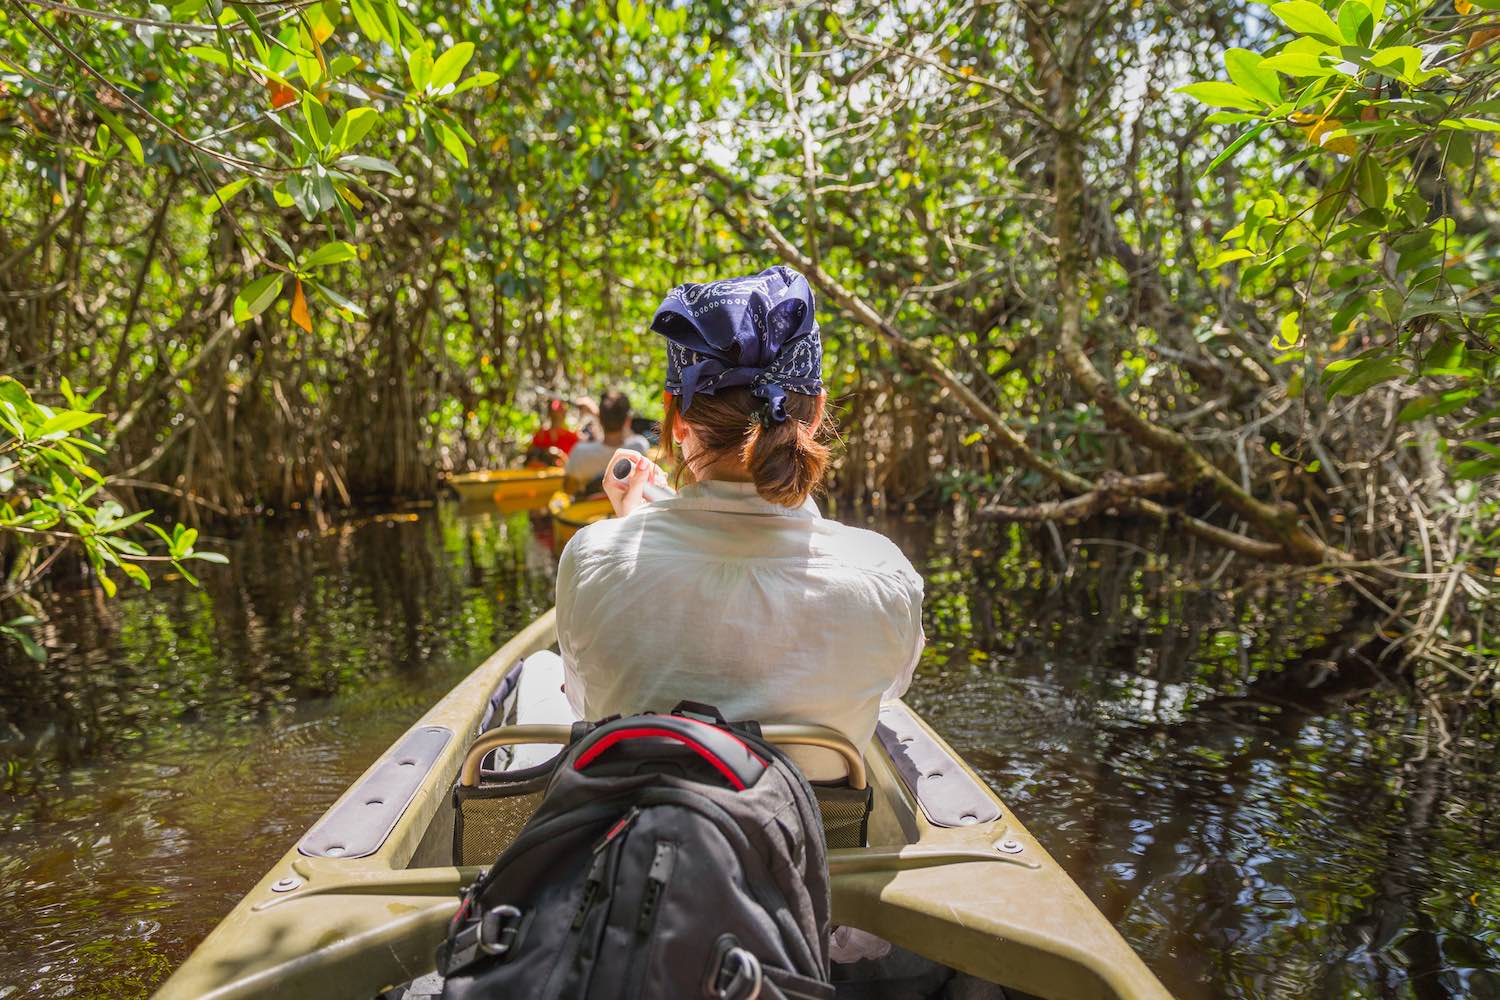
x=983 y=898
x=515 y=489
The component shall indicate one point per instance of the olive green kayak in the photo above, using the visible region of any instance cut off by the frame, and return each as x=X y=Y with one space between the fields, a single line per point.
x=361 y=902
x=512 y=489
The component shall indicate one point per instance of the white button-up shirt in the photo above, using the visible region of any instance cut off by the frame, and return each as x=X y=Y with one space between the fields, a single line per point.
x=717 y=596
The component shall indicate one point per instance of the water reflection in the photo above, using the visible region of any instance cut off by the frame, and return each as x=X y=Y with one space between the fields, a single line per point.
x=181 y=739
x=1251 y=839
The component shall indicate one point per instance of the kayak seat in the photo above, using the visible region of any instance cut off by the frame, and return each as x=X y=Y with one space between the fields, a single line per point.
x=492 y=802
x=488 y=816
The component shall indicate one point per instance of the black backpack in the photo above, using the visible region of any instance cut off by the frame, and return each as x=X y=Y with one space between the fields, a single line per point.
x=672 y=856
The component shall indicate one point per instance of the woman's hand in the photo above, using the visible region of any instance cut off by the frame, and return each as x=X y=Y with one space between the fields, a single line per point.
x=625 y=495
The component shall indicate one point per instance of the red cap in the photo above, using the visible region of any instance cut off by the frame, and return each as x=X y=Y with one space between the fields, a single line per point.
x=556 y=406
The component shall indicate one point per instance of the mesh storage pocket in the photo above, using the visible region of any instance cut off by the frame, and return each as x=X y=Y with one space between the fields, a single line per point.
x=491 y=816
x=846 y=814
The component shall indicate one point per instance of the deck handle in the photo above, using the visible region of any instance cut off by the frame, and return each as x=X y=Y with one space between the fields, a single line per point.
x=782 y=735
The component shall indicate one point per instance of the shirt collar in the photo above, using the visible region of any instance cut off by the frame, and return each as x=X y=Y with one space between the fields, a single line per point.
x=719 y=494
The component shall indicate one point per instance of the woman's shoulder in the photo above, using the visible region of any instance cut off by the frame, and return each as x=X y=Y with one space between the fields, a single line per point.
x=866 y=550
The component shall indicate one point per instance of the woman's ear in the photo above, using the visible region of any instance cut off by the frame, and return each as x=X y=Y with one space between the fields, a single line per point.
x=679 y=430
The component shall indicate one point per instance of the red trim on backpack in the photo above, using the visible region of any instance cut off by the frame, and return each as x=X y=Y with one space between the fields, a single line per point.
x=619 y=735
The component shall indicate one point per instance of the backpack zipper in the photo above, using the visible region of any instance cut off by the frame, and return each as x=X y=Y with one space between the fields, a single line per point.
x=660 y=873
x=597 y=867
x=599 y=891
x=656 y=883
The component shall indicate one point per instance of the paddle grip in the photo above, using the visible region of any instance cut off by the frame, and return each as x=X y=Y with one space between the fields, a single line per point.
x=653 y=491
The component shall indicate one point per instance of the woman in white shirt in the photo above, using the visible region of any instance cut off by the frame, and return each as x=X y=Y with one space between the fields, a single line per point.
x=737 y=592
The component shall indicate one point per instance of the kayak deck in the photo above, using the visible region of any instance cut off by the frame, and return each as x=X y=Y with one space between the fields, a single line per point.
x=363 y=900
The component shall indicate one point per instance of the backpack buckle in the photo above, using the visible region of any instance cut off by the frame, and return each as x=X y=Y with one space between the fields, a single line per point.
x=739 y=976
x=496 y=932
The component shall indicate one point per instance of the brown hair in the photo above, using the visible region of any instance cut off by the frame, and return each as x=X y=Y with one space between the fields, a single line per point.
x=614 y=410
x=786 y=460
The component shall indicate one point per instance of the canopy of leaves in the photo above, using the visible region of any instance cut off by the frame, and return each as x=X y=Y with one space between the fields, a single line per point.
x=1228 y=267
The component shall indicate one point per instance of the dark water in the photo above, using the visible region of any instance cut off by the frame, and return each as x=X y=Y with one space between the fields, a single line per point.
x=1250 y=839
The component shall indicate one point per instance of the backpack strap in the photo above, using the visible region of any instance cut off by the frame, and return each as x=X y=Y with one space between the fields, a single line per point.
x=699 y=710
x=726 y=752
x=708 y=713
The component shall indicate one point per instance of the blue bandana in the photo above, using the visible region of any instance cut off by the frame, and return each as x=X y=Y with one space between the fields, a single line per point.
x=757 y=331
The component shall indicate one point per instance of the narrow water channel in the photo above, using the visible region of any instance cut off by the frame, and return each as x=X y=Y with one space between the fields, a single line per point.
x=1250 y=839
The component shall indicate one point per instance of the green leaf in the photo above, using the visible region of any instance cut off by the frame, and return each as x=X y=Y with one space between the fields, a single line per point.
x=451 y=142
x=1373 y=190
x=1403 y=62
x=1288 y=333
x=1364 y=374
x=62 y=423
x=1298 y=64
x=29 y=646
x=1476 y=468
x=1234 y=147
x=337 y=299
x=357 y=162
x=117 y=127
x=1224 y=257
x=1470 y=124
x=247 y=15
x=221 y=197
x=120 y=524
x=419 y=67
x=1218 y=94
x=449 y=66
x=256 y=297
x=1436 y=405
x=137 y=574
x=482 y=79
x=218 y=558
x=1355 y=23
x=368 y=22
x=208 y=54
x=335 y=252
x=313 y=192
x=14 y=393
x=317 y=120
x=1306 y=18
x=353 y=127
x=1247 y=69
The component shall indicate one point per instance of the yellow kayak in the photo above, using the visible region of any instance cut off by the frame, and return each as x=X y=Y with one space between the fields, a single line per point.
x=513 y=489
x=945 y=869
x=568 y=515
